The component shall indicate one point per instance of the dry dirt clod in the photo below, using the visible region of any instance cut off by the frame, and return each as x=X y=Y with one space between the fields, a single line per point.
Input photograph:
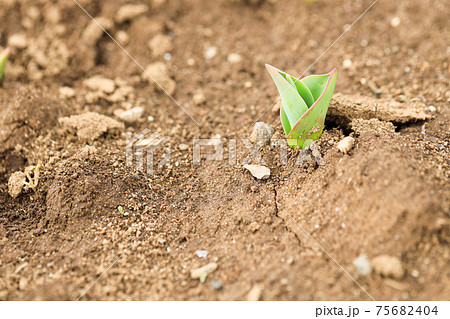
x=158 y=73
x=346 y=144
x=18 y=40
x=255 y=293
x=388 y=266
x=203 y=271
x=16 y=183
x=66 y=92
x=160 y=44
x=98 y=83
x=199 y=98
x=129 y=12
x=92 y=33
x=258 y=171
x=90 y=126
x=131 y=115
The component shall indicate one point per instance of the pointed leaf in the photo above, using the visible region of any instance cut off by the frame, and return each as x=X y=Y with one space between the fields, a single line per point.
x=292 y=103
x=316 y=84
x=310 y=126
x=301 y=88
x=3 y=58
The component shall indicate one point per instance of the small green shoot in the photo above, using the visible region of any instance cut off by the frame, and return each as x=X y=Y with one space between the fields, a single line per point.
x=120 y=209
x=3 y=58
x=304 y=104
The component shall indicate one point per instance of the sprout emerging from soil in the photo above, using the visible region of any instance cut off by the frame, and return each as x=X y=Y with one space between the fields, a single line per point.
x=3 y=58
x=304 y=104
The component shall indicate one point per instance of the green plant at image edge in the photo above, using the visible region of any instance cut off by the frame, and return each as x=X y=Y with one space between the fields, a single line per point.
x=3 y=58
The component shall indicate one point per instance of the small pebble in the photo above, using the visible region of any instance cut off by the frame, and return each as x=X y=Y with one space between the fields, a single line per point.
x=261 y=134
x=395 y=22
x=346 y=144
x=217 y=285
x=363 y=265
x=183 y=147
x=210 y=52
x=131 y=115
x=347 y=64
x=255 y=293
x=234 y=58
x=432 y=108
x=258 y=171
x=199 y=98
x=150 y=118
x=16 y=183
x=202 y=253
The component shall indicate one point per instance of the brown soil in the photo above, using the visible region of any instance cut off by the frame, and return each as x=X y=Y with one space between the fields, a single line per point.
x=388 y=196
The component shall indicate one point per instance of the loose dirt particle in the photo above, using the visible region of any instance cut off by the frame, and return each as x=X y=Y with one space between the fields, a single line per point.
x=388 y=266
x=98 y=83
x=129 y=12
x=18 y=41
x=158 y=71
x=90 y=126
x=16 y=183
x=160 y=44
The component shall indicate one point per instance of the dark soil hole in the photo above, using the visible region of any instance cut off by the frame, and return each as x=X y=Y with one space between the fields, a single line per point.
x=408 y=127
x=339 y=122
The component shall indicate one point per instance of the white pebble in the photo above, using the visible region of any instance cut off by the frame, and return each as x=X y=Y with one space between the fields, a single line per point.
x=432 y=108
x=234 y=58
x=363 y=265
x=346 y=144
x=210 y=52
x=347 y=64
x=395 y=22
x=258 y=171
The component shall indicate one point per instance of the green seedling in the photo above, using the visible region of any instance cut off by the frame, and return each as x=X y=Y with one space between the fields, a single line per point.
x=304 y=104
x=3 y=58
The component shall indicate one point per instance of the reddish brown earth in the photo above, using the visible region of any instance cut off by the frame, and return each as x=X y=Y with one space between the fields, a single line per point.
x=388 y=196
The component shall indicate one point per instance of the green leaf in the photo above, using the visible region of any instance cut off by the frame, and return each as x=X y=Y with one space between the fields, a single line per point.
x=310 y=126
x=293 y=105
x=309 y=97
x=3 y=58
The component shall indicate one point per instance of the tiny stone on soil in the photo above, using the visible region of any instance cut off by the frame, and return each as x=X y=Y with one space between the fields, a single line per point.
x=183 y=147
x=15 y=183
x=202 y=253
x=234 y=58
x=255 y=293
x=261 y=134
x=388 y=266
x=210 y=53
x=203 y=271
x=363 y=265
x=217 y=285
x=131 y=115
x=347 y=64
x=395 y=22
x=258 y=171
x=346 y=144
x=199 y=98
